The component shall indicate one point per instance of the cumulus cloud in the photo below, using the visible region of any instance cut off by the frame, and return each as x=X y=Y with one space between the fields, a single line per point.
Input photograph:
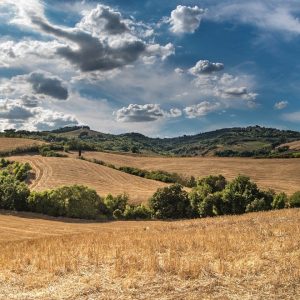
x=51 y=86
x=201 y=109
x=16 y=113
x=226 y=86
x=241 y=92
x=103 y=19
x=185 y=19
x=281 y=105
x=206 y=67
x=157 y=50
x=101 y=41
x=34 y=87
x=144 y=113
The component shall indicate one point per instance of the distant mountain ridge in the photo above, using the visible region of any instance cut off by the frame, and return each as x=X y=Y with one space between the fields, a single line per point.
x=238 y=141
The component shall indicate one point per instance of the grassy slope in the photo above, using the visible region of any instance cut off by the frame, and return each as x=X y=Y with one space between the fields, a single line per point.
x=254 y=256
x=278 y=174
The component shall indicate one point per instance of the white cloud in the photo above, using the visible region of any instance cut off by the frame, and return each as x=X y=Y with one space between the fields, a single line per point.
x=206 y=67
x=103 y=19
x=17 y=114
x=292 y=117
x=226 y=86
x=267 y=15
x=281 y=105
x=144 y=113
x=185 y=19
x=163 y=52
x=201 y=109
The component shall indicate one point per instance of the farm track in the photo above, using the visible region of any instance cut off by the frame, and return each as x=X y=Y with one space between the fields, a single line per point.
x=52 y=172
x=278 y=174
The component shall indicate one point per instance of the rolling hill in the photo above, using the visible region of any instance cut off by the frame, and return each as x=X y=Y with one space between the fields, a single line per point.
x=52 y=172
x=277 y=174
x=11 y=144
x=246 y=142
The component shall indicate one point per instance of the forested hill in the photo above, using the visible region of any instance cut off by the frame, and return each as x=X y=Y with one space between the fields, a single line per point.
x=250 y=141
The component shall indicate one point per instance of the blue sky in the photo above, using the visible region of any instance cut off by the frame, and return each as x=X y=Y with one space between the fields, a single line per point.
x=162 y=68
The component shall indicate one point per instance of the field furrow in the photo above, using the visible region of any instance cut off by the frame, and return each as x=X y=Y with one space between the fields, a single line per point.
x=52 y=172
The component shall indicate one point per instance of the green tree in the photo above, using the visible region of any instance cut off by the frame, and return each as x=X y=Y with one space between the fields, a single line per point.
x=217 y=183
x=116 y=202
x=280 y=201
x=238 y=194
x=170 y=203
x=294 y=200
x=13 y=193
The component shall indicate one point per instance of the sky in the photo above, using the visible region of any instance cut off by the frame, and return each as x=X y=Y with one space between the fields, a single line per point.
x=161 y=68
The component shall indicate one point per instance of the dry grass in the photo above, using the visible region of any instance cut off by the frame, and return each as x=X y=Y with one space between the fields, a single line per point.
x=8 y=144
x=254 y=256
x=278 y=174
x=52 y=172
x=292 y=145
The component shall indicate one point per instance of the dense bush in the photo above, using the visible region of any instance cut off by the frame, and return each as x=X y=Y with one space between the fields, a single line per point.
x=205 y=199
x=170 y=203
x=280 y=201
x=48 y=152
x=294 y=200
x=137 y=212
x=239 y=193
x=114 y=203
x=69 y=201
x=13 y=193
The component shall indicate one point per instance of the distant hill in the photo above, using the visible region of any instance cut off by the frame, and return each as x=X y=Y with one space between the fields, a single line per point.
x=246 y=142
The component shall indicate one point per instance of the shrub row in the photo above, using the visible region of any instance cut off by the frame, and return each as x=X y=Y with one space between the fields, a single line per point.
x=214 y=196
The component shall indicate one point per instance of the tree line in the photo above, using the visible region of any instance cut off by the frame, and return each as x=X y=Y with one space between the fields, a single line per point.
x=211 y=196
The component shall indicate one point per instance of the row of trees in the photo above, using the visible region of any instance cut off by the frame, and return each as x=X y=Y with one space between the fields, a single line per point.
x=212 y=196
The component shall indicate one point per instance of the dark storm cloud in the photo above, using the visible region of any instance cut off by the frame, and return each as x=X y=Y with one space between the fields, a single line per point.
x=51 y=86
x=91 y=54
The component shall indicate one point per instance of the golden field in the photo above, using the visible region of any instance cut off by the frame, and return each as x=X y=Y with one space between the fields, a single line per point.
x=292 y=145
x=253 y=256
x=52 y=172
x=8 y=144
x=282 y=175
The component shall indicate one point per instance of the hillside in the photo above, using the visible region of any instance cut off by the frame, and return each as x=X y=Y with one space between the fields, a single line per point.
x=11 y=144
x=52 y=172
x=292 y=145
x=246 y=142
x=254 y=256
x=277 y=174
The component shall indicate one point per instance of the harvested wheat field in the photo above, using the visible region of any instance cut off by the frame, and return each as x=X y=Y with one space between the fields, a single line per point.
x=254 y=256
x=52 y=172
x=278 y=174
x=292 y=145
x=8 y=144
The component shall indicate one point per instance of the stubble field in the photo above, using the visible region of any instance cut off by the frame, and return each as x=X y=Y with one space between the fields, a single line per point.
x=53 y=172
x=254 y=256
x=282 y=175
